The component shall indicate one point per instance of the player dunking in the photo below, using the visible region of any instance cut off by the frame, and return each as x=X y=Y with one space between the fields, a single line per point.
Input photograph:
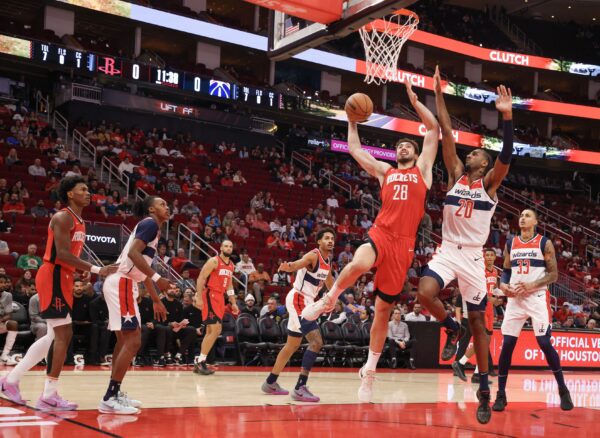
x=313 y=270
x=491 y=278
x=215 y=279
x=470 y=204
x=54 y=284
x=529 y=267
x=391 y=240
x=121 y=291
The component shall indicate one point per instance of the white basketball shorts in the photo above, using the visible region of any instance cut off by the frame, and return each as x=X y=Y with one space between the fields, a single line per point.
x=295 y=302
x=535 y=306
x=121 y=295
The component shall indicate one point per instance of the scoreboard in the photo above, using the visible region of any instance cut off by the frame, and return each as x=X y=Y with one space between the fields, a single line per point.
x=84 y=62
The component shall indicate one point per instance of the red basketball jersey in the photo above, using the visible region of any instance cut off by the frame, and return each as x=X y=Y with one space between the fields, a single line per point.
x=220 y=276
x=77 y=241
x=403 y=195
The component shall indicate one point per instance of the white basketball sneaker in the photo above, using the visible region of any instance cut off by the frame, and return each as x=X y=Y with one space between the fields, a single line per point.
x=117 y=405
x=316 y=309
x=365 y=392
x=130 y=401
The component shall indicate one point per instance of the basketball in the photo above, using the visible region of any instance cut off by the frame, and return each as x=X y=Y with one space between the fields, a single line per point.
x=359 y=107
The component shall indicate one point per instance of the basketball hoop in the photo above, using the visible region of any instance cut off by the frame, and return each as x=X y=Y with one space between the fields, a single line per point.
x=383 y=40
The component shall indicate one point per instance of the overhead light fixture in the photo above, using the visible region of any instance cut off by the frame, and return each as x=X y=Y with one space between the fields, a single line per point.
x=569 y=7
x=552 y=16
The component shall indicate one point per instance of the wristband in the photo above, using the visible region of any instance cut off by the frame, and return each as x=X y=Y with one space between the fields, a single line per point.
x=95 y=269
x=156 y=277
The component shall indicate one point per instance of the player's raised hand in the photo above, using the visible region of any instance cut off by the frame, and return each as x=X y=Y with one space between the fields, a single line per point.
x=437 y=81
x=160 y=311
x=411 y=94
x=504 y=100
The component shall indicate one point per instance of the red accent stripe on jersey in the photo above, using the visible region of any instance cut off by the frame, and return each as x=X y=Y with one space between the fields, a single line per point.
x=298 y=302
x=125 y=295
x=549 y=307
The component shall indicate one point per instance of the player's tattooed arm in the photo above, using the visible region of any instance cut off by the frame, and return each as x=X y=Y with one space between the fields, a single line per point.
x=453 y=164
x=551 y=272
x=373 y=167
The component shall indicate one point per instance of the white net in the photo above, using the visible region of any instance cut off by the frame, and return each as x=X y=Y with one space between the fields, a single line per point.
x=383 y=40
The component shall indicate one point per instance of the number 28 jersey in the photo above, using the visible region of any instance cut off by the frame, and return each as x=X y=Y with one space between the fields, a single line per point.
x=403 y=195
x=468 y=211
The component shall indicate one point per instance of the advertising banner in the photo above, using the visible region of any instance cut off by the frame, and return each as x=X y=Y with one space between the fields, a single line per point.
x=104 y=240
x=575 y=349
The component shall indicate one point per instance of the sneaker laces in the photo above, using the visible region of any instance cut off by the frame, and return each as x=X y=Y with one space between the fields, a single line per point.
x=369 y=377
x=122 y=398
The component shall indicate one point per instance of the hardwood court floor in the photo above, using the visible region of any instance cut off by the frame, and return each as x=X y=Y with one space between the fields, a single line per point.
x=178 y=403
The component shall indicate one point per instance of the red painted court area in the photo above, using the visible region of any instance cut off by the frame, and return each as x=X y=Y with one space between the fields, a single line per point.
x=414 y=420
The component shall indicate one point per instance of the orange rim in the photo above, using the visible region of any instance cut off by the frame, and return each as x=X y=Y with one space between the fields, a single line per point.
x=379 y=25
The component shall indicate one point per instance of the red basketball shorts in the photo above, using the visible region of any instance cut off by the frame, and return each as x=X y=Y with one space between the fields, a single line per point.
x=394 y=257
x=54 y=285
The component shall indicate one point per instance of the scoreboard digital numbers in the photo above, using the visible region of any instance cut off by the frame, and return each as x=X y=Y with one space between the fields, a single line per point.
x=115 y=67
x=57 y=55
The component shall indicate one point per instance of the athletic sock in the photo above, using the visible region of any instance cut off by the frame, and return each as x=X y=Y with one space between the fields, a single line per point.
x=552 y=359
x=35 y=353
x=483 y=382
x=202 y=358
x=9 y=342
x=372 y=360
x=476 y=369
x=463 y=360
x=272 y=378
x=508 y=346
x=113 y=389
x=302 y=379
x=450 y=324
x=50 y=386
x=334 y=292
x=560 y=379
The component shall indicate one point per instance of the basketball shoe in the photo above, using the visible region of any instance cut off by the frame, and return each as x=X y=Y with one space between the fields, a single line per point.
x=11 y=391
x=316 y=309
x=117 y=405
x=55 y=403
x=365 y=392
x=273 y=389
x=304 y=395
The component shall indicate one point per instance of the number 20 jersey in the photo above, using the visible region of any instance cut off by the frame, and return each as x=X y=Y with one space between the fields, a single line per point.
x=468 y=212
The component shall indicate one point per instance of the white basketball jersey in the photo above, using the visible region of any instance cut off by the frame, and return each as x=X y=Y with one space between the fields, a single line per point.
x=468 y=211
x=308 y=283
x=146 y=230
x=527 y=259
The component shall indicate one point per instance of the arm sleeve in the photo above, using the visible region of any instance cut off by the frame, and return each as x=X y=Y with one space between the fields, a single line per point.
x=147 y=230
x=507 y=144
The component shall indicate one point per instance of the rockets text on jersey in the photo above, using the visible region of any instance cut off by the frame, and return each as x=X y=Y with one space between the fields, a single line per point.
x=219 y=278
x=403 y=194
x=77 y=235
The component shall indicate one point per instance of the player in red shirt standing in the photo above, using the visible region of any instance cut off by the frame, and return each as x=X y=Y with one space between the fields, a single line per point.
x=215 y=279
x=391 y=242
x=54 y=283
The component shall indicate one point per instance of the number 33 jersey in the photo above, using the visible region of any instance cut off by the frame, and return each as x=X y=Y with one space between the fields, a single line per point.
x=527 y=259
x=468 y=212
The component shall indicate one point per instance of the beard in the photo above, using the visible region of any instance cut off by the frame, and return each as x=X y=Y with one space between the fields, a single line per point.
x=404 y=160
x=227 y=254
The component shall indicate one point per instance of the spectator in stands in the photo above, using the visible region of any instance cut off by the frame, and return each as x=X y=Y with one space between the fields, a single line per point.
x=147 y=327
x=569 y=322
x=99 y=334
x=285 y=242
x=338 y=315
x=332 y=201
x=416 y=314
x=238 y=178
x=23 y=284
x=190 y=209
x=38 y=325
x=347 y=252
x=207 y=184
x=14 y=205
x=592 y=324
x=430 y=248
x=4 y=248
x=161 y=150
x=261 y=224
x=258 y=280
x=245 y=266
x=180 y=261
x=281 y=278
x=272 y=309
x=179 y=328
x=36 y=169
x=274 y=240
x=398 y=339
x=19 y=189
x=241 y=230
x=173 y=185
x=12 y=158
x=365 y=222
x=29 y=260
x=7 y=325
x=250 y=307
x=415 y=269
x=257 y=202
x=213 y=219
x=57 y=207
x=563 y=313
x=186 y=282
x=82 y=323
x=39 y=210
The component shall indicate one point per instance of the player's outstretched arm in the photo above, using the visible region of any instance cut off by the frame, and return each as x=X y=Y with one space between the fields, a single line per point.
x=494 y=177
x=431 y=139
x=309 y=259
x=551 y=272
x=454 y=165
x=373 y=167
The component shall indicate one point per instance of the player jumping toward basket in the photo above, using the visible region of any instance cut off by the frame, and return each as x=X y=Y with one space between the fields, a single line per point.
x=313 y=270
x=529 y=267
x=391 y=241
x=470 y=204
